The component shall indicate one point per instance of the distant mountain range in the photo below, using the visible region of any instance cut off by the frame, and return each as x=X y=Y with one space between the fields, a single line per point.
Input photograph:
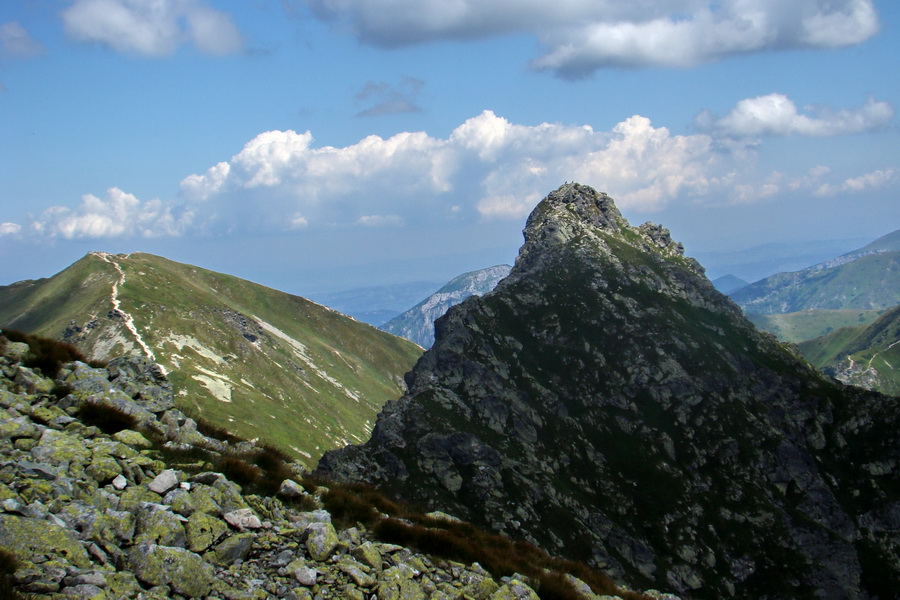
x=257 y=362
x=868 y=278
x=606 y=402
x=417 y=323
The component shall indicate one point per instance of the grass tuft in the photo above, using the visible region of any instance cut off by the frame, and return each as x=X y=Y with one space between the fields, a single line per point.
x=109 y=419
x=8 y=566
x=46 y=354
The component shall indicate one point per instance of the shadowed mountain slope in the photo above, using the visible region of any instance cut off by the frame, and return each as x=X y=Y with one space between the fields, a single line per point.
x=257 y=362
x=607 y=403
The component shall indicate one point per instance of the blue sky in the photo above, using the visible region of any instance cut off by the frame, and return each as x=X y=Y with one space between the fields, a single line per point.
x=321 y=145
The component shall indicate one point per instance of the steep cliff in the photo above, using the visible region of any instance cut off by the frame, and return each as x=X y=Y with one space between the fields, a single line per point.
x=607 y=403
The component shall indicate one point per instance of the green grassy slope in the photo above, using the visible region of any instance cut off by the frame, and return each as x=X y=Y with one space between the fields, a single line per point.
x=261 y=363
x=805 y=325
x=868 y=356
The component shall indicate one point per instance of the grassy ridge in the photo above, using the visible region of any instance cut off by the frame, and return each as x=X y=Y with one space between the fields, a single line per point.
x=258 y=362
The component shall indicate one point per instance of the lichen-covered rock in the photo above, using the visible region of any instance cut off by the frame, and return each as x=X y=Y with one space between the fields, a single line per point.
x=203 y=531
x=233 y=548
x=30 y=539
x=321 y=541
x=184 y=571
x=57 y=447
x=514 y=590
x=157 y=525
x=132 y=438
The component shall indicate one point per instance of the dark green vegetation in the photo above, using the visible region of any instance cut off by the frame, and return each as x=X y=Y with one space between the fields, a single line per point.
x=867 y=356
x=606 y=403
x=246 y=358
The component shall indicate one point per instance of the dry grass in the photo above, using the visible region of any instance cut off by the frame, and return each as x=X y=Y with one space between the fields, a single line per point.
x=398 y=523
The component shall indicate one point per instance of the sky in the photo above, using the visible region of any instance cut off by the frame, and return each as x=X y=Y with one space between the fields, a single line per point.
x=324 y=145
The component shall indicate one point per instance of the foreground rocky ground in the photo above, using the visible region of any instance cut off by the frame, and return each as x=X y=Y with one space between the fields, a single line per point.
x=95 y=515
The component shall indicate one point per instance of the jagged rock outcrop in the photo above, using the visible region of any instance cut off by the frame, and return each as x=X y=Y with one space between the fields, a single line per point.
x=417 y=323
x=607 y=403
x=91 y=515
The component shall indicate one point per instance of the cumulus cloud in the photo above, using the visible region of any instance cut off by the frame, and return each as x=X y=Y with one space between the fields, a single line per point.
x=581 y=36
x=15 y=41
x=8 y=228
x=776 y=114
x=388 y=99
x=152 y=27
x=118 y=215
x=486 y=169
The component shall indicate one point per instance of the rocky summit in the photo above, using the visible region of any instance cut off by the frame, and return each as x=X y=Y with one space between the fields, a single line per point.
x=607 y=403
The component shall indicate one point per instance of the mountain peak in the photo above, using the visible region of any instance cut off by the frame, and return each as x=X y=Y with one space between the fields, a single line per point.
x=605 y=402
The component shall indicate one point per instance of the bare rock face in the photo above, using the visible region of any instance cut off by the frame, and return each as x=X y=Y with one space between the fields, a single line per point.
x=607 y=403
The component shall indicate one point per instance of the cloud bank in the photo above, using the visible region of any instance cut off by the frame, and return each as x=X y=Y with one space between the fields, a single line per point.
x=486 y=169
x=154 y=28
x=582 y=36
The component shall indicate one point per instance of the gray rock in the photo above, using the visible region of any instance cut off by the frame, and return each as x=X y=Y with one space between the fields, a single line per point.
x=164 y=482
x=242 y=519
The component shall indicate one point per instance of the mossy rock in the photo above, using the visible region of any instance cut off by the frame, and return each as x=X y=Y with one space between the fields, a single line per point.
x=203 y=531
x=26 y=538
x=185 y=572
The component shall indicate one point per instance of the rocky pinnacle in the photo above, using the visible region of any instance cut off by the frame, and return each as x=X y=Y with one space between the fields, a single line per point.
x=607 y=403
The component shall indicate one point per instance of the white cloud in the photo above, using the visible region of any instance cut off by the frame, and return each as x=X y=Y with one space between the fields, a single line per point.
x=581 y=36
x=381 y=221
x=152 y=27
x=15 y=41
x=118 y=215
x=8 y=228
x=876 y=180
x=776 y=114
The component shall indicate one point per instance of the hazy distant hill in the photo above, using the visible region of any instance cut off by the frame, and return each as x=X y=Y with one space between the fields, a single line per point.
x=729 y=283
x=261 y=363
x=417 y=323
x=376 y=305
x=867 y=356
